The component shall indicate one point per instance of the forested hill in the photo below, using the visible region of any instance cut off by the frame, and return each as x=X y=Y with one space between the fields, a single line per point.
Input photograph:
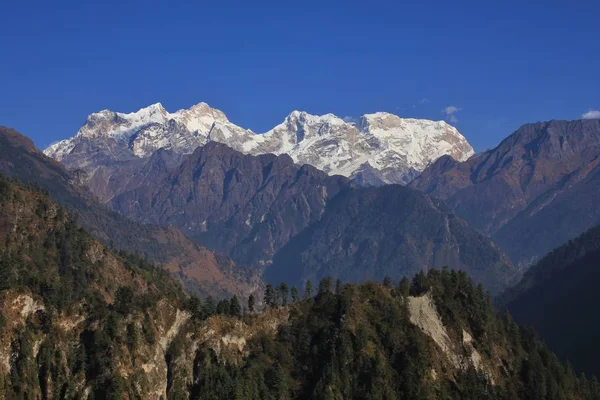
x=81 y=322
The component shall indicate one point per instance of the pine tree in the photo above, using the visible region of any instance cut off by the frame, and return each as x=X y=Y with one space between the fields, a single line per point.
x=283 y=294
x=387 y=282
x=308 y=289
x=223 y=307
x=251 y=303
x=194 y=305
x=294 y=294
x=325 y=285
x=338 y=286
x=419 y=284
x=209 y=306
x=270 y=298
x=124 y=300
x=404 y=287
x=235 y=308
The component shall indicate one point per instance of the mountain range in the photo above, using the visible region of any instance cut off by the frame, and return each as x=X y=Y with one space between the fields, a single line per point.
x=225 y=222
x=537 y=189
x=379 y=148
x=256 y=209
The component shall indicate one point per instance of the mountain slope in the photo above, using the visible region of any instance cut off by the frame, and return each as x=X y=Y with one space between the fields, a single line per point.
x=80 y=322
x=565 y=281
x=535 y=190
x=253 y=208
x=369 y=233
x=64 y=308
x=244 y=205
x=199 y=268
x=394 y=148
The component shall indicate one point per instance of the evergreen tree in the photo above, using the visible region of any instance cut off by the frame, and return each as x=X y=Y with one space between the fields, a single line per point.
x=194 y=305
x=124 y=300
x=295 y=297
x=338 y=286
x=209 y=306
x=325 y=285
x=308 y=289
x=419 y=284
x=404 y=287
x=223 y=307
x=387 y=282
x=283 y=294
x=270 y=296
x=235 y=307
x=251 y=303
x=132 y=337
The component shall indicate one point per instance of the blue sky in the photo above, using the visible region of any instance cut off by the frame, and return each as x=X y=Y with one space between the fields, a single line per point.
x=500 y=65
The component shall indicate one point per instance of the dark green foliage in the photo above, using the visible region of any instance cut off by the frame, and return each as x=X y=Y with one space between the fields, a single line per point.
x=235 y=307
x=209 y=306
x=48 y=257
x=387 y=281
x=325 y=286
x=294 y=293
x=404 y=287
x=223 y=307
x=283 y=294
x=148 y=330
x=383 y=356
x=270 y=296
x=194 y=306
x=308 y=289
x=251 y=303
x=124 y=300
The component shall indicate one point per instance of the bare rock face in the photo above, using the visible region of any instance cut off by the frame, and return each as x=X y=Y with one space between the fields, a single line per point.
x=534 y=191
x=395 y=148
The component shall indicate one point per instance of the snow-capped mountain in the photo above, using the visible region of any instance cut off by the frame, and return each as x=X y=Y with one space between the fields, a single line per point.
x=380 y=148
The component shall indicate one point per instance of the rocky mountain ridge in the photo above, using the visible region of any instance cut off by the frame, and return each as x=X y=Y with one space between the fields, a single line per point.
x=257 y=209
x=534 y=191
x=379 y=148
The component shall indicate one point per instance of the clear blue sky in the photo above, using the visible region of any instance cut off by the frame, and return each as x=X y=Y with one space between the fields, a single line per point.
x=502 y=64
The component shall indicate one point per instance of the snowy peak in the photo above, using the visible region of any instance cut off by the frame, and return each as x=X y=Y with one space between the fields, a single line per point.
x=420 y=141
x=381 y=146
x=110 y=123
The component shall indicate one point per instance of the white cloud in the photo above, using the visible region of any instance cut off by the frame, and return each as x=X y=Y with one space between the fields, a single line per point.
x=349 y=119
x=592 y=114
x=450 y=111
x=424 y=100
